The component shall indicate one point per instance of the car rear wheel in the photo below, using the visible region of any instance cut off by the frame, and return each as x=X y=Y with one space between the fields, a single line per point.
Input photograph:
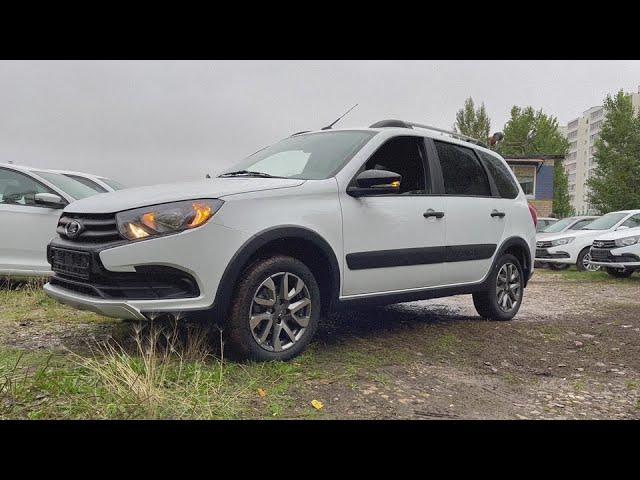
x=503 y=297
x=619 y=272
x=275 y=310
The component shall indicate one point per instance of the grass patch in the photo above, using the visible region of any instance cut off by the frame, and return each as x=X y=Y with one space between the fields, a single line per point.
x=599 y=276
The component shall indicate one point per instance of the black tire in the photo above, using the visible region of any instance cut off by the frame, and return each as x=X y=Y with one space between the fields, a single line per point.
x=486 y=302
x=619 y=272
x=240 y=342
x=580 y=262
x=559 y=266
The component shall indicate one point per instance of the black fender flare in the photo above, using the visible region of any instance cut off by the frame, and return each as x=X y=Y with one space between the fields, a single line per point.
x=240 y=260
x=521 y=243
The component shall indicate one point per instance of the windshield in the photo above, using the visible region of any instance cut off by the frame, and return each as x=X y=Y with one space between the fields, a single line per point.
x=113 y=184
x=558 y=226
x=76 y=189
x=314 y=156
x=605 y=222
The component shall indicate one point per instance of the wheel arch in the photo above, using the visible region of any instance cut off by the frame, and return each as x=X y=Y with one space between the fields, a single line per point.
x=519 y=248
x=299 y=242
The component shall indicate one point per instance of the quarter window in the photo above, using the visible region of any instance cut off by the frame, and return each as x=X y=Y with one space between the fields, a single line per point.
x=19 y=189
x=501 y=174
x=462 y=172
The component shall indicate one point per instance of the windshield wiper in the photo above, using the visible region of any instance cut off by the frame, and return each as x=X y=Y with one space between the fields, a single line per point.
x=248 y=173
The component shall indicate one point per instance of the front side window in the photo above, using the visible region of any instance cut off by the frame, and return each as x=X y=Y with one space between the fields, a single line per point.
x=19 y=189
x=461 y=170
x=404 y=156
x=68 y=185
x=632 y=222
x=581 y=224
x=113 y=184
x=313 y=156
x=605 y=222
x=501 y=174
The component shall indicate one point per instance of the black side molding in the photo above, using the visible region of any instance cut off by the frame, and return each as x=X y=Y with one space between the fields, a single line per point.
x=419 y=256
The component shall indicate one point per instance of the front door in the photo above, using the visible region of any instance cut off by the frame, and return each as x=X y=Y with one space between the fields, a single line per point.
x=390 y=244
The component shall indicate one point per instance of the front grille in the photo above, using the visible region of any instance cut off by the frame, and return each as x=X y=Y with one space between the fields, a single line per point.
x=605 y=255
x=543 y=244
x=604 y=243
x=96 y=228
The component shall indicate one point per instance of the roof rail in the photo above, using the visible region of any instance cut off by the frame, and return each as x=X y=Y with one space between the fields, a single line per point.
x=403 y=124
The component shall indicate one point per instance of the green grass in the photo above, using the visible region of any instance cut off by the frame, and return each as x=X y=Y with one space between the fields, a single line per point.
x=599 y=276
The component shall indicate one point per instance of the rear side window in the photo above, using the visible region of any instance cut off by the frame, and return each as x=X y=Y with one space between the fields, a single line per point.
x=461 y=170
x=501 y=174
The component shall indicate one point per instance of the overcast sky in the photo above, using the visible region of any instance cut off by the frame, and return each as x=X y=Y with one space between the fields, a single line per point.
x=145 y=122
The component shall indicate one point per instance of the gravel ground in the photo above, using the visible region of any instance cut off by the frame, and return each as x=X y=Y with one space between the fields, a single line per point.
x=572 y=352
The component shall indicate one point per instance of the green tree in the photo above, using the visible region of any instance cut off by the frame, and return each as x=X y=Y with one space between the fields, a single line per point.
x=531 y=132
x=614 y=183
x=472 y=122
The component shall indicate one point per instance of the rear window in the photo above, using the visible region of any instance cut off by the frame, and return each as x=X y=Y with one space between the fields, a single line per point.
x=501 y=174
x=461 y=171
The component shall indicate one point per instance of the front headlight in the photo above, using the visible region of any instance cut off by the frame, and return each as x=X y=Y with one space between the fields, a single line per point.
x=627 y=241
x=561 y=241
x=166 y=218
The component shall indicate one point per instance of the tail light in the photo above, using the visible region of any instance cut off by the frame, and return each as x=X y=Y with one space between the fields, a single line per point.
x=534 y=215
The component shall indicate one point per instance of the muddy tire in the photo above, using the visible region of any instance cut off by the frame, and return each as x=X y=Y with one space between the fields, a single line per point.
x=503 y=297
x=274 y=312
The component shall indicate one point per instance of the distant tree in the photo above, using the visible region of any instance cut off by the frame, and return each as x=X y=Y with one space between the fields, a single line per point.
x=614 y=183
x=472 y=122
x=531 y=132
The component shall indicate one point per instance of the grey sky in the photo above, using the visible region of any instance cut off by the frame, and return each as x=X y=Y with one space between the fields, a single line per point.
x=144 y=122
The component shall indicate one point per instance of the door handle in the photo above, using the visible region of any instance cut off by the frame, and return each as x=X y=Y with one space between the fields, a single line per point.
x=496 y=213
x=432 y=213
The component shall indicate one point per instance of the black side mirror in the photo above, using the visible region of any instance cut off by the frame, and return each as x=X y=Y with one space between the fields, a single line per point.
x=50 y=200
x=375 y=182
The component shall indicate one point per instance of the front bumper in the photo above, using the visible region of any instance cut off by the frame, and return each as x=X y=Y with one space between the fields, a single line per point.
x=123 y=281
x=547 y=255
x=622 y=257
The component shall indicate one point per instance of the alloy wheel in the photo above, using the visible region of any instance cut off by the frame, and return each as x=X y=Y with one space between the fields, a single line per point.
x=508 y=287
x=587 y=265
x=280 y=311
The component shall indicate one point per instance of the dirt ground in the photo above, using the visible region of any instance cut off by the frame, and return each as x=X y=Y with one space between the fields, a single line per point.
x=573 y=352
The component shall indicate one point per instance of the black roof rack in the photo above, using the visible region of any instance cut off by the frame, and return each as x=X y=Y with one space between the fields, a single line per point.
x=403 y=124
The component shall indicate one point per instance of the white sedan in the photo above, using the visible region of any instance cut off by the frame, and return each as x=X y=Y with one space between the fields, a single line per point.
x=572 y=247
x=31 y=200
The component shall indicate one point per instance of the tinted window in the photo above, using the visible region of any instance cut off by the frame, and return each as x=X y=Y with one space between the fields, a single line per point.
x=501 y=174
x=89 y=183
x=19 y=189
x=404 y=156
x=461 y=171
x=313 y=156
x=632 y=222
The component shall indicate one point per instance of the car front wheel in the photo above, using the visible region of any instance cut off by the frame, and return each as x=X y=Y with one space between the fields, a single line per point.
x=584 y=262
x=275 y=310
x=503 y=297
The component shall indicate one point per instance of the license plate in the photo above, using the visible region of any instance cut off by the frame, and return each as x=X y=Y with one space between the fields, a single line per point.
x=71 y=262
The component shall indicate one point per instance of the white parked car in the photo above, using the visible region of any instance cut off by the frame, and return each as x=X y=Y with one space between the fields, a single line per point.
x=564 y=225
x=572 y=248
x=320 y=220
x=30 y=203
x=97 y=182
x=618 y=252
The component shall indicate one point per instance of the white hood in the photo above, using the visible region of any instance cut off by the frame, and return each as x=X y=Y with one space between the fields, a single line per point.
x=572 y=234
x=626 y=232
x=172 y=192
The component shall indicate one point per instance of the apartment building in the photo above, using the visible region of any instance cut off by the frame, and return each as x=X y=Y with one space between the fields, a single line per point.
x=582 y=133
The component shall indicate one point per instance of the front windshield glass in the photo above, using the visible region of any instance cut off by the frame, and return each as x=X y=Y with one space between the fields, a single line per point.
x=558 y=226
x=72 y=187
x=605 y=222
x=314 y=156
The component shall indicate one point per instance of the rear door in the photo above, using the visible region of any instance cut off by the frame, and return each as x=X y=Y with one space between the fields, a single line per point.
x=474 y=212
x=26 y=227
